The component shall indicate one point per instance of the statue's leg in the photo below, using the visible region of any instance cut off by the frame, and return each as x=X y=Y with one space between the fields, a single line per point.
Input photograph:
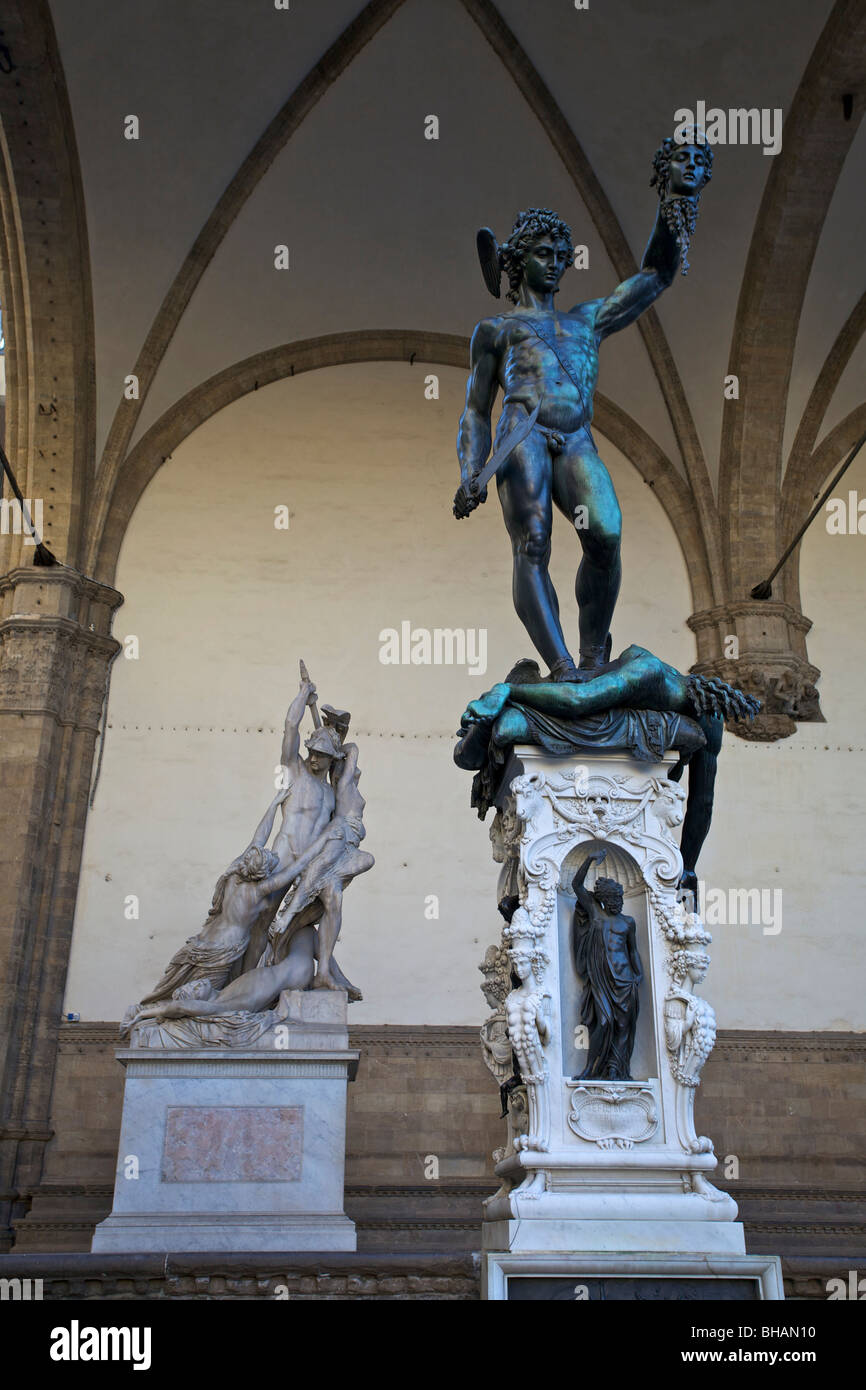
x=699 y=803
x=524 y=483
x=343 y=983
x=589 y=1072
x=583 y=491
x=257 y=989
x=259 y=935
x=331 y=895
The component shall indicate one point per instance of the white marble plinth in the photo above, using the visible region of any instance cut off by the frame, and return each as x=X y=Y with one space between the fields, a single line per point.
x=599 y=1168
x=672 y=1237
x=237 y=1149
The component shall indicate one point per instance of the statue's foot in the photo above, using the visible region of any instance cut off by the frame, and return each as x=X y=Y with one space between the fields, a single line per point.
x=564 y=670
x=324 y=980
x=352 y=991
x=355 y=995
x=593 y=660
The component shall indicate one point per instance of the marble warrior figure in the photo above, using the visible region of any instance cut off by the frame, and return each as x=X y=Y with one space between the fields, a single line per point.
x=315 y=854
x=546 y=363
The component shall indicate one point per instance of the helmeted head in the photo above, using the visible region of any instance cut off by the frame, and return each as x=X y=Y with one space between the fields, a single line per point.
x=539 y=251
x=338 y=720
x=608 y=893
x=324 y=748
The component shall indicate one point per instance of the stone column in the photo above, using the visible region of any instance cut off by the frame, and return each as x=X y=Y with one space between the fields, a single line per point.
x=55 y=655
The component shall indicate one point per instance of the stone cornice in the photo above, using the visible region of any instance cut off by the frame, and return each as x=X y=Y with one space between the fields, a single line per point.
x=739 y=608
x=91 y=589
x=399 y=1039
x=64 y=627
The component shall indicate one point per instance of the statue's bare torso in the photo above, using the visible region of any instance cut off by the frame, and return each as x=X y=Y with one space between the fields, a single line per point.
x=306 y=811
x=548 y=356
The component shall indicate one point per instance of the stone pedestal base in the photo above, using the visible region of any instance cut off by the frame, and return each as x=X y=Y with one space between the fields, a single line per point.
x=575 y=1238
x=237 y=1149
x=604 y=1181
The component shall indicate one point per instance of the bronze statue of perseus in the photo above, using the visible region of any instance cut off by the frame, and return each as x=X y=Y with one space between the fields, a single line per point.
x=546 y=363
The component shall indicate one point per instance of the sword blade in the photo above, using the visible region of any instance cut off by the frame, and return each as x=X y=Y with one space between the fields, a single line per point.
x=506 y=448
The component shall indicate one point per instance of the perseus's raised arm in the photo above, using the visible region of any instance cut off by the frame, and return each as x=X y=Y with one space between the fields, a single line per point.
x=473 y=438
x=638 y=292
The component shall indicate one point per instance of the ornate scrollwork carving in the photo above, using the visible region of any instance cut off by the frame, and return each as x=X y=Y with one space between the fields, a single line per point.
x=613 y=1114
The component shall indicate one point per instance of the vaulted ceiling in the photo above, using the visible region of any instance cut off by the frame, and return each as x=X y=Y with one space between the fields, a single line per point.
x=380 y=221
x=304 y=126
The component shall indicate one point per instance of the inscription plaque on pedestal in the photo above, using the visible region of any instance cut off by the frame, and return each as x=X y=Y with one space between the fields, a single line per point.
x=233 y=1143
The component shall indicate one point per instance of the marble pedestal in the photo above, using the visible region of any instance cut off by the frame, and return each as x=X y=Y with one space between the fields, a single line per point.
x=602 y=1181
x=237 y=1148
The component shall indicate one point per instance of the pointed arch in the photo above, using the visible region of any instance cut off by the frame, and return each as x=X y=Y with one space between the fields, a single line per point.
x=45 y=288
x=812 y=477
x=800 y=473
x=273 y=139
x=377 y=345
x=798 y=192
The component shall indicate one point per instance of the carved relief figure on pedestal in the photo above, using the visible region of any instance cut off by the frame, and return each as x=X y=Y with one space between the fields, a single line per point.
x=495 y=1042
x=526 y=1009
x=504 y=838
x=690 y=1022
x=606 y=957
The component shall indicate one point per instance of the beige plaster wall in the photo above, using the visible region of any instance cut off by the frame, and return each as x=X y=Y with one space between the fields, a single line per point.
x=223 y=604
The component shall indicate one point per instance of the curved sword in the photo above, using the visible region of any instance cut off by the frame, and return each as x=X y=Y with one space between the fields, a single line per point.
x=505 y=449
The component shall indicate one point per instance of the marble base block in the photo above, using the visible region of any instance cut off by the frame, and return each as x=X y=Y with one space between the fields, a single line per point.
x=237 y=1149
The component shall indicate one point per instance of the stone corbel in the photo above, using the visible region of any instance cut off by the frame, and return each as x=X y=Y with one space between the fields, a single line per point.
x=761 y=648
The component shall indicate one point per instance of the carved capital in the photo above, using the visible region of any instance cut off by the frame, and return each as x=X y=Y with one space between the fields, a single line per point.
x=761 y=648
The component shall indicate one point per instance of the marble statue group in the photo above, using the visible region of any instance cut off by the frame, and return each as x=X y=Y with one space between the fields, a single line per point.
x=276 y=912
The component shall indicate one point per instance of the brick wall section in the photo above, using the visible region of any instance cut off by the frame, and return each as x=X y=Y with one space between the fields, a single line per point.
x=790 y=1107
